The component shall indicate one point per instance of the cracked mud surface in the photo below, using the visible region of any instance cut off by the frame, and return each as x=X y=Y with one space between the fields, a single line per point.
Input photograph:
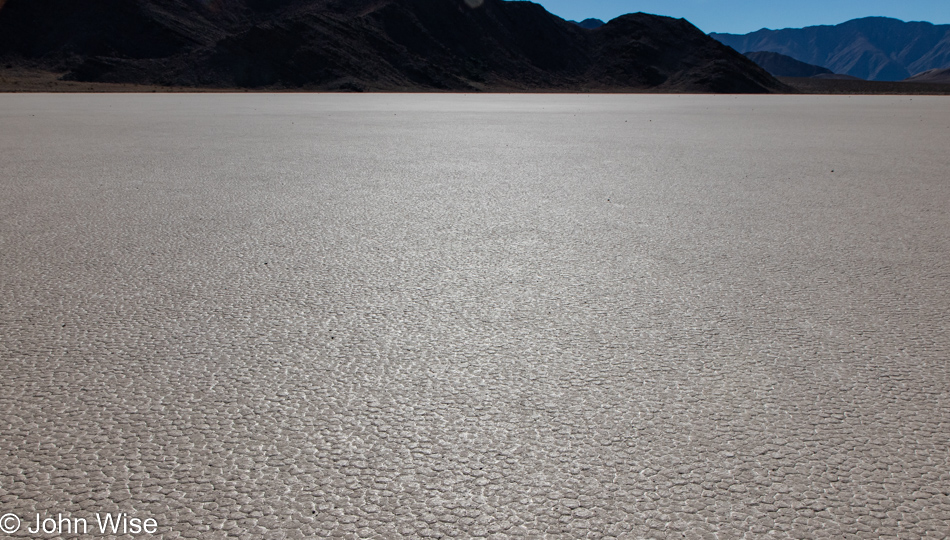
x=308 y=316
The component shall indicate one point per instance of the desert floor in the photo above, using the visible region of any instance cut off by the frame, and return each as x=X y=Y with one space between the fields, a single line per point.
x=308 y=316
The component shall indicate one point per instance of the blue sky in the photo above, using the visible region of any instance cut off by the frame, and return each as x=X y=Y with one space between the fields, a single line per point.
x=742 y=16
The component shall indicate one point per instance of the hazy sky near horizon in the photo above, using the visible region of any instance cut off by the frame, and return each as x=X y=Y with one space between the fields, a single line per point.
x=743 y=16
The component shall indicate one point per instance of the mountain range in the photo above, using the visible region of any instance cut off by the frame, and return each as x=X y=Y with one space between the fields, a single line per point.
x=390 y=45
x=873 y=48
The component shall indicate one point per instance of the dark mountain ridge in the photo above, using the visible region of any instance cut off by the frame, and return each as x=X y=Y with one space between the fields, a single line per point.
x=873 y=48
x=367 y=45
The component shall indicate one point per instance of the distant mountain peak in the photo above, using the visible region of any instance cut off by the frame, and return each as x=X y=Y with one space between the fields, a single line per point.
x=589 y=24
x=859 y=20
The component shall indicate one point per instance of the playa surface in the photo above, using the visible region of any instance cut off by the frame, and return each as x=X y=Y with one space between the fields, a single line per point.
x=307 y=316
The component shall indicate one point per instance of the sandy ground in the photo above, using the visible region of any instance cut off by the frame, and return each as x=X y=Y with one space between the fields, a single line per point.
x=310 y=316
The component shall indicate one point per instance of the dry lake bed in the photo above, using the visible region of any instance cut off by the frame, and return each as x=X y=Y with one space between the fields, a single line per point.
x=403 y=316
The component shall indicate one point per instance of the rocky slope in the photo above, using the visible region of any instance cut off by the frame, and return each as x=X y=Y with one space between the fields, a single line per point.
x=400 y=45
x=780 y=65
x=937 y=76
